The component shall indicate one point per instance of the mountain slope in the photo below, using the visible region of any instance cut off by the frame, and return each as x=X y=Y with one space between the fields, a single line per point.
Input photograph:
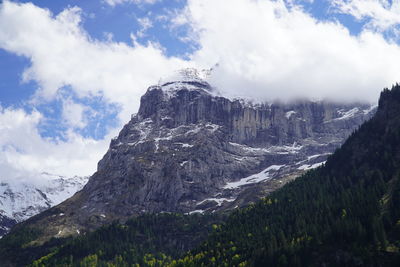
x=343 y=213
x=189 y=150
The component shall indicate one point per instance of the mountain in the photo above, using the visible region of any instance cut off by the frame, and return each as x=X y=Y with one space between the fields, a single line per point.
x=344 y=213
x=189 y=150
x=20 y=200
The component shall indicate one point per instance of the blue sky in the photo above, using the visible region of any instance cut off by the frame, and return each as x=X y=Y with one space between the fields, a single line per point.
x=72 y=72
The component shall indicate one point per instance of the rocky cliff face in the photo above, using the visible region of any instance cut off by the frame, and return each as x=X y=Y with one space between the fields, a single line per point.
x=188 y=150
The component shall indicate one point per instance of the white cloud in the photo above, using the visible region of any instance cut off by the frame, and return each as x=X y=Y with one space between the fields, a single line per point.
x=109 y=36
x=62 y=54
x=295 y=2
x=145 y=24
x=24 y=153
x=382 y=14
x=74 y=114
x=266 y=50
x=118 y=2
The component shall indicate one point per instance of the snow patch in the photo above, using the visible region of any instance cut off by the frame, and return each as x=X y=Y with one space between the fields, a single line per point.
x=255 y=178
x=371 y=108
x=184 y=145
x=248 y=148
x=306 y=167
x=189 y=78
x=183 y=163
x=345 y=115
x=293 y=149
x=286 y=149
x=187 y=145
x=289 y=114
x=317 y=155
x=196 y=211
x=208 y=126
x=219 y=201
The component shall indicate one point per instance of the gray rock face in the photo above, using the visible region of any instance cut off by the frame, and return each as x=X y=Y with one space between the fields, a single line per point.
x=184 y=146
x=188 y=150
x=274 y=124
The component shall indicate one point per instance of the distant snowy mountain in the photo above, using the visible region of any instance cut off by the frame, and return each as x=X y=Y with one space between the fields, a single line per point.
x=20 y=200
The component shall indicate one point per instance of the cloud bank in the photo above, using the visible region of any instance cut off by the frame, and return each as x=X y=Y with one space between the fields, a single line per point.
x=266 y=50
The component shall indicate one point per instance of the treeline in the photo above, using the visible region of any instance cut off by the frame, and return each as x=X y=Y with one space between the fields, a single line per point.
x=142 y=241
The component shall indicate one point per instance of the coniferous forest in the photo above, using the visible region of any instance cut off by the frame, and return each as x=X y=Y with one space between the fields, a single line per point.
x=343 y=213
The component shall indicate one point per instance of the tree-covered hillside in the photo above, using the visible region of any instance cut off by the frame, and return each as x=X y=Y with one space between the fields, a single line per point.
x=139 y=240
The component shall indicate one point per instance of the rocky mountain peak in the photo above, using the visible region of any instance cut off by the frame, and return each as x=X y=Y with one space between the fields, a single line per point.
x=189 y=150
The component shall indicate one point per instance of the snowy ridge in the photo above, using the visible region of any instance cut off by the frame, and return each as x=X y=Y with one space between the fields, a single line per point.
x=20 y=200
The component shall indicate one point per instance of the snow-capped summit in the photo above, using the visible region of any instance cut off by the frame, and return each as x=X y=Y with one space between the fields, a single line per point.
x=189 y=78
x=187 y=75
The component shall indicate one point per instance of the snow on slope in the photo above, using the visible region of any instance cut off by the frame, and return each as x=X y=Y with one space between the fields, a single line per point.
x=20 y=200
x=255 y=178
